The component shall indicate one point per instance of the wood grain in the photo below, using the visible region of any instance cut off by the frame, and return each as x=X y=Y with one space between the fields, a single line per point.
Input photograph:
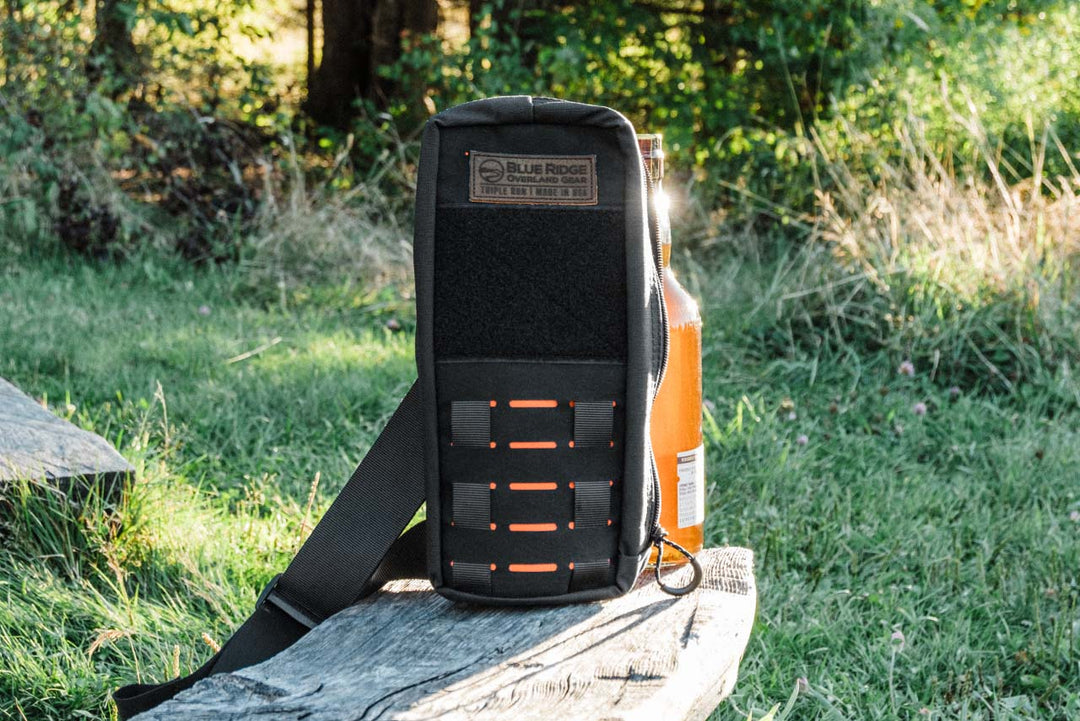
x=409 y=654
x=38 y=446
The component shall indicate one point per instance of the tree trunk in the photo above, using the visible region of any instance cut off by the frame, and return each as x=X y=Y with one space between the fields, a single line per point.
x=344 y=71
x=475 y=16
x=309 y=28
x=113 y=57
x=358 y=38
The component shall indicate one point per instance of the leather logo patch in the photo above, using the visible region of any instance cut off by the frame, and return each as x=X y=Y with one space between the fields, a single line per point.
x=532 y=179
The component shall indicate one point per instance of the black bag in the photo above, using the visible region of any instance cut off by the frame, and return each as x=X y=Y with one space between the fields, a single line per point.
x=541 y=341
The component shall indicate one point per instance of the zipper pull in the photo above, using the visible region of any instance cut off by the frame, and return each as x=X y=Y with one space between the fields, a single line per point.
x=659 y=539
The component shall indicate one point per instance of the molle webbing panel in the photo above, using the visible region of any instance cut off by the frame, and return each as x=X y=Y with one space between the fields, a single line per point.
x=529 y=505
x=524 y=347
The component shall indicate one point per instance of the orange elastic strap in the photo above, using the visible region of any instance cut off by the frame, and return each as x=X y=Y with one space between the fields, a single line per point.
x=533 y=567
x=534 y=404
x=533 y=527
x=534 y=486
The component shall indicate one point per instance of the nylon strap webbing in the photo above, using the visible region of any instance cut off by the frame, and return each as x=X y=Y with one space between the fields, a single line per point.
x=592 y=504
x=354 y=550
x=593 y=423
x=470 y=423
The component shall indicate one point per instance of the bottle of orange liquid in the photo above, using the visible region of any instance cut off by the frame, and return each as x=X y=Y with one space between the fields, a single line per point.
x=676 y=415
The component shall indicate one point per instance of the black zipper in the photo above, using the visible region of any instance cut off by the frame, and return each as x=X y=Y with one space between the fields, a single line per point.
x=654 y=520
x=658 y=258
x=657 y=535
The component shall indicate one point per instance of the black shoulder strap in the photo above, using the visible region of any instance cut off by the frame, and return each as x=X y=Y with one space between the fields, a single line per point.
x=355 y=549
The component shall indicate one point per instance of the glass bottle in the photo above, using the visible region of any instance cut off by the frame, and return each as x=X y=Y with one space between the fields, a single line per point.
x=676 y=415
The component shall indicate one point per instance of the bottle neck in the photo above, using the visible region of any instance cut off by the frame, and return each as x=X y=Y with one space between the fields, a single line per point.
x=651 y=146
x=664 y=217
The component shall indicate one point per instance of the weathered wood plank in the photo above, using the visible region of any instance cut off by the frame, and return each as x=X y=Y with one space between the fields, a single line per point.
x=39 y=446
x=409 y=654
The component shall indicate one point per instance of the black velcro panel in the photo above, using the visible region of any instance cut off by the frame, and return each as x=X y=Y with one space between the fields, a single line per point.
x=472 y=577
x=530 y=283
x=590 y=574
x=470 y=423
x=592 y=504
x=593 y=423
x=471 y=505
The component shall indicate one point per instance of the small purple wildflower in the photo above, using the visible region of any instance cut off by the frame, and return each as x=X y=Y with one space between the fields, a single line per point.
x=802 y=440
x=792 y=415
x=954 y=393
x=393 y=324
x=919 y=409
x=898 y=641
x=1074 y=516
x=907 y=368
x=803 y=684
x=204 y=310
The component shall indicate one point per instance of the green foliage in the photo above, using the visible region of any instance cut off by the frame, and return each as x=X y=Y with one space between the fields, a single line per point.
x=737 y=88
x=1016 y=69
x=164 y=146
x=178 y=145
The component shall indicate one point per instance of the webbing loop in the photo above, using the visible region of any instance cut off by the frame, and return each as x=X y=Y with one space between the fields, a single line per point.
x=593 y=423
x=659 y=539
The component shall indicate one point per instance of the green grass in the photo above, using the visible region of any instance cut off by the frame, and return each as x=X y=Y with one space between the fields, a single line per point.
x=226 y=452
x=951 y=528
x=909 y=566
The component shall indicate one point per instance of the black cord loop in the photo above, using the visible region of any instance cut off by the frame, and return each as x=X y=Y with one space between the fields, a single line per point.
x=659 y=540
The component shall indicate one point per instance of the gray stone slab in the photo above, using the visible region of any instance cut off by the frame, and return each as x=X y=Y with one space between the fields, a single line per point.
x=39 y=446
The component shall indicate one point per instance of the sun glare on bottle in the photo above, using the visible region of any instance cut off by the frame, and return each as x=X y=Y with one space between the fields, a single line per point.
x=663 y=202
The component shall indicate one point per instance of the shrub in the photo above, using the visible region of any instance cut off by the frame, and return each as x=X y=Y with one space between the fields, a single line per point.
x=162 y=150
x=972 y=279
x=737 y=87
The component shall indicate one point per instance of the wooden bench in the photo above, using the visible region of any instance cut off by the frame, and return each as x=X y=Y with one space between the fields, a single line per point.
x=407 y=653
x=38 y=446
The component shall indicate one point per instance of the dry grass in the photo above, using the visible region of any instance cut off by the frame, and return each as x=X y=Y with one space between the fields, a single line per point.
x=966 y=266
x=975 y=234
x=348 y=228
x=328 y=235
x=311 y=240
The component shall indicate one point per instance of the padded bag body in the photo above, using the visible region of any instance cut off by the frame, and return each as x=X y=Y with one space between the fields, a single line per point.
x=541 y=340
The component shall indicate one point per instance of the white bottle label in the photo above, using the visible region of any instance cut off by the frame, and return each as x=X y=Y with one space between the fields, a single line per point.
x=690 y=467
